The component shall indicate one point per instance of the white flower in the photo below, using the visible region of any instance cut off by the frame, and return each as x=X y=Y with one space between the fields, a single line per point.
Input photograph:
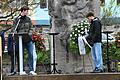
x=70 y=35
x=82 y=32
x=82 y=28
x=76 y=28
x=79 y=28
x=73 y=42
x=81 y=24
x=75 y=34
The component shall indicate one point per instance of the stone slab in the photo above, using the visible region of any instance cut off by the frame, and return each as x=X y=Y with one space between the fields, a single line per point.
x=81 y=76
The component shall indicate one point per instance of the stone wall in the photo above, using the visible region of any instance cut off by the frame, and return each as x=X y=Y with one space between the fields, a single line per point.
x=63 y=14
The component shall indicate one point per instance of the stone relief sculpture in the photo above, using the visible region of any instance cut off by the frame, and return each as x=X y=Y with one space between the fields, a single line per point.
x=64 y=13
x=69 y=2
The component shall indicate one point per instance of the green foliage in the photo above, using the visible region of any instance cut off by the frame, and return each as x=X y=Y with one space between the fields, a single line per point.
x=73 y=47
x=42 y=54
x=114 y=52
x=25 y=56
x=87 y=49
x=109 y=11
x=117 y=54
x=43 y=57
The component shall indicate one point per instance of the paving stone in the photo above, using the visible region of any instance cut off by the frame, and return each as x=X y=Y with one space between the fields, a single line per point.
x=81 y=76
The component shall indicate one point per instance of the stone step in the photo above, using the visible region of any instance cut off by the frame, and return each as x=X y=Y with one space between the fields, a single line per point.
x=80 y=76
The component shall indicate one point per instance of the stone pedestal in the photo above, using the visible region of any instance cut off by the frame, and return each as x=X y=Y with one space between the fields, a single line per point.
x=87 y=76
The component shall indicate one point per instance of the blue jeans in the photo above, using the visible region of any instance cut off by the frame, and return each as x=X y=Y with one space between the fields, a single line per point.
x=34 y=57
x=30 y=49
x=96 y=52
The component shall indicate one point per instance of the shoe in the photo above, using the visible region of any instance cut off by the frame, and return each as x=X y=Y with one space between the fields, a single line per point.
x=13 y=73
x=97 y=71
x=23 y=73
x=33 y=73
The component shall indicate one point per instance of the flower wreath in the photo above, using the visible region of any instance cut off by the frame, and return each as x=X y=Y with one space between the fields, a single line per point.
x=79 y=28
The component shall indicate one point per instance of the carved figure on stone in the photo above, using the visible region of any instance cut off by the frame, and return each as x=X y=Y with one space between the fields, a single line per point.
x=69 y=2
x=71 y=11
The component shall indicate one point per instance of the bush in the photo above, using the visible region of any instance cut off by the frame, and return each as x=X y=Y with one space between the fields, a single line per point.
x=113 y=53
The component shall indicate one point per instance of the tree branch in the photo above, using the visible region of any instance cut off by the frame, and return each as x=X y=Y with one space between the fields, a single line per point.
x=8 y=15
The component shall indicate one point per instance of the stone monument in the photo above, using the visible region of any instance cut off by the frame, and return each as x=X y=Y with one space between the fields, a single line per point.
x=63 y=14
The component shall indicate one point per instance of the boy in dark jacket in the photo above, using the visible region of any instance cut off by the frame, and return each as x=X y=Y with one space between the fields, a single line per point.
x=23 y=24
x=94 y=38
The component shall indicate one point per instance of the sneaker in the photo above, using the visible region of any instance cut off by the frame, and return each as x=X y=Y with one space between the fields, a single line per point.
x=23 y=73
x=97 y=71
x=33 y=73
x=13 y=73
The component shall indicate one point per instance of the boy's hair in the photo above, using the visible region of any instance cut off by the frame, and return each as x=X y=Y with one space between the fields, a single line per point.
x=89 y=14
x=23 y=8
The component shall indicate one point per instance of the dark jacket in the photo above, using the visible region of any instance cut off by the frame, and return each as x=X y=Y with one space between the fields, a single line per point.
x=25 y=26
x=2 y=34
x=11 y=44
x=3 y=40
x=95 y=34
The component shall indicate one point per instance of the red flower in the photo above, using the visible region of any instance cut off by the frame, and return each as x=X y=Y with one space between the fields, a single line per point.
x=39 y=41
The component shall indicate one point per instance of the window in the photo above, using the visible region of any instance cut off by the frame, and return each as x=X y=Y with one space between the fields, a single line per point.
x=43 y=4
x=118 y=2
